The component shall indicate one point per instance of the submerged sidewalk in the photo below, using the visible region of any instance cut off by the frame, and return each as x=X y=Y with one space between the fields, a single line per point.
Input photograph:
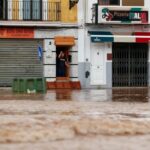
x=89 y=95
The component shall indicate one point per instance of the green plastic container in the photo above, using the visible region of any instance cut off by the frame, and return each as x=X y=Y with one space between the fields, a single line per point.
x=41 y=85
x=29 y=85
x=21 y=86
x=15 y=85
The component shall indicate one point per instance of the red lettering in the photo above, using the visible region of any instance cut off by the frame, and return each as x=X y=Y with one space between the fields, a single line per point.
x=144 y=17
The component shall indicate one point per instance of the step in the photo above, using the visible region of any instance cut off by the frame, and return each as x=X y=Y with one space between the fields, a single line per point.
x=64 y=85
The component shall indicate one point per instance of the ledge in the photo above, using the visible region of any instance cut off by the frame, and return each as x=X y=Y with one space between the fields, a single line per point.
x=38 y=24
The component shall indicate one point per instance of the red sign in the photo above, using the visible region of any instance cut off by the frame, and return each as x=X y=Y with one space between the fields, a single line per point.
x=23 y=33
x=144 y=39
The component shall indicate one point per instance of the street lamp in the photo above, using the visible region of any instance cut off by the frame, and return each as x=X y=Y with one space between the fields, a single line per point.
x=72 y=3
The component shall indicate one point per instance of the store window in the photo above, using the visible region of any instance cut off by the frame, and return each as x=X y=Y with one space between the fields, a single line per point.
x=109 y=2
x=133 y=2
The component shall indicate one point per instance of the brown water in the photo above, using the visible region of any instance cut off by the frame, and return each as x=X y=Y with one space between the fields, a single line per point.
x=76 y=119
x=99 y=95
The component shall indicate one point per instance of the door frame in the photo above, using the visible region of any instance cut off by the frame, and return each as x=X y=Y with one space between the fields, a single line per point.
x=66 y=50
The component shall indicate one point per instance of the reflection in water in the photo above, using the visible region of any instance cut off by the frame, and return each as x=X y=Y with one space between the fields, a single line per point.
x=130 y=94
x=87 y=95
x=7 y=94
x=63 y=95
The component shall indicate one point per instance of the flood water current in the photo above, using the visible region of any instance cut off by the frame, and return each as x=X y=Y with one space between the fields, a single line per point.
x=99 y=119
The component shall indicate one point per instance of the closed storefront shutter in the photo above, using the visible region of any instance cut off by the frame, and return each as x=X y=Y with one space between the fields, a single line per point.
x=19 y=59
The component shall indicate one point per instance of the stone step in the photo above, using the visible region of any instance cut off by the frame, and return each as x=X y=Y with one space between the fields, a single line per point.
x=63 y=85
x=62 y=79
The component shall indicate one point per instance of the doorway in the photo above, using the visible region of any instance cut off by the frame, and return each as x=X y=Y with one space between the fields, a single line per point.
x=130 y=65
x=62 y=62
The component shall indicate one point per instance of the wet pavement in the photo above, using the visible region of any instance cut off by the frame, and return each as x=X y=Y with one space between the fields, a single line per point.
x=95 y=95
x=97 y=119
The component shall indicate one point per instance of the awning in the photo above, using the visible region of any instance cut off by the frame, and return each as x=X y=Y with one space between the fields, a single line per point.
x=136 y=37
x=142 y=37
x=64 y=41
x=98 y=36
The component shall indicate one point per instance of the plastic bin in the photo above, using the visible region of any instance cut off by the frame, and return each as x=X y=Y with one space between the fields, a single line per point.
x=29 y=85
x=19 y=85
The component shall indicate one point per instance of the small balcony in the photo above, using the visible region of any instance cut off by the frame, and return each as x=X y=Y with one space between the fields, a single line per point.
x=30 y=10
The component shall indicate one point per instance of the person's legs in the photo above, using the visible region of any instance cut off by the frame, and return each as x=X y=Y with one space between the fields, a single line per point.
x=61 y=69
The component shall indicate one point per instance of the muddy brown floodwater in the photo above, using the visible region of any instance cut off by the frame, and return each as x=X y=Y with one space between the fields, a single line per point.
x=112 y=119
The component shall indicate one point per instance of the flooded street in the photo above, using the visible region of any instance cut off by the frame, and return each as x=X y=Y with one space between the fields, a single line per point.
x=76 y=120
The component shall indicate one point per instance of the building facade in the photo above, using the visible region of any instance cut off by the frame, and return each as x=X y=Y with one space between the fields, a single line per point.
x=32 y=33
x=117 y=44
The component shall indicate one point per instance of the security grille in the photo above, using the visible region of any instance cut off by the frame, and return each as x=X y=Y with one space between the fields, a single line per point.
x=19 y=59
x=130 y=64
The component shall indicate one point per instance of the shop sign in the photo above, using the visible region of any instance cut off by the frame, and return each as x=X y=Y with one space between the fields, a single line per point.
x=23 y=33
x=108 y=15
x=96 y=39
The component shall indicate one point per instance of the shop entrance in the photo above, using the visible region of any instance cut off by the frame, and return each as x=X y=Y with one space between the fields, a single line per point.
x=62 y=61
x=98 y=64
x=130 y=65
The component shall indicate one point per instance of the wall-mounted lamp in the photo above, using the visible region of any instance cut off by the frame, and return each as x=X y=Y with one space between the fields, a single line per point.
x=72 y=3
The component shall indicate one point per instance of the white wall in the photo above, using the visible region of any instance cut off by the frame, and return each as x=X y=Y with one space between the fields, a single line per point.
x=81 y=43
x=49 y=58
x=51 y=33
x=89 y=4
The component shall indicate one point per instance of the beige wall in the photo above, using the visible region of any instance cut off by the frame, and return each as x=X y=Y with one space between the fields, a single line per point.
x=68 y=15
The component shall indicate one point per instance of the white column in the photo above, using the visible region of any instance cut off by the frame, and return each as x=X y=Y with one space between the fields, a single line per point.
x=81 y=52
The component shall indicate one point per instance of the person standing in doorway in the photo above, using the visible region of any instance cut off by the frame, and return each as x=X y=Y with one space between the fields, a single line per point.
x=62 y=64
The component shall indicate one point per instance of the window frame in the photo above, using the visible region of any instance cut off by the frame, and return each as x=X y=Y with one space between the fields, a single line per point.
x=31 y=9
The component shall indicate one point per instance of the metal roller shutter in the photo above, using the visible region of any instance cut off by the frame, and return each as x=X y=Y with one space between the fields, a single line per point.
x=130 y=64
x=19 y=58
